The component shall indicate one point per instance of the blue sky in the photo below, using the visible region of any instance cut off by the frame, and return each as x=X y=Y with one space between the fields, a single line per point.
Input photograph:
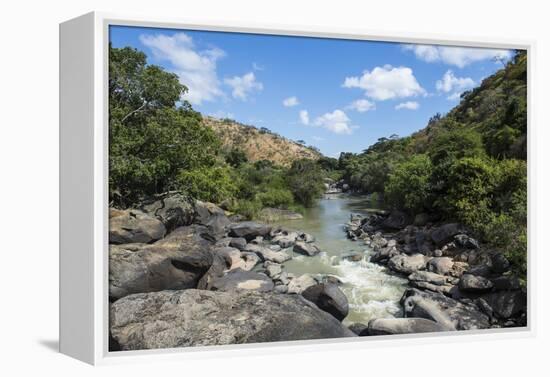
x=338 y=95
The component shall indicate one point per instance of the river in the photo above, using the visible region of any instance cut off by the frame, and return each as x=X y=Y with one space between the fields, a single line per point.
x=372 y=291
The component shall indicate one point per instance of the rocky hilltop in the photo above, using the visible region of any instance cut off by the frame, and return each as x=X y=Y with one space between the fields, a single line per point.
x=259 y=144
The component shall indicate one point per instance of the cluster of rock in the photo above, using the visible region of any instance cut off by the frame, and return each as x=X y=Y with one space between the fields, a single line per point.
x=332 y=187
x=453 y=282
x=184 y=273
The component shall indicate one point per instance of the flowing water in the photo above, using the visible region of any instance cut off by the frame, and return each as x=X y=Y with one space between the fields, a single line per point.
x=372 y=291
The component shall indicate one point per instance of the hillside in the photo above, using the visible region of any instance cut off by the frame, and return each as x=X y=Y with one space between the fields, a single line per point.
x=259 y=144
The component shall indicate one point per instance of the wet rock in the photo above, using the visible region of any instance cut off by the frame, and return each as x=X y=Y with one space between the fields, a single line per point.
x=172 y=209
x=285 y=239
x=329 y=298
x=407 y=264
x=133 y=226
x=267 y=254
x=354 y=257
x=360 y=329
x=308 y=249
x=305 y=237
x=384 y=254
x=472 y=283
x=301 y=283
x=393 y=326
x=171 y=319
x=378 y=242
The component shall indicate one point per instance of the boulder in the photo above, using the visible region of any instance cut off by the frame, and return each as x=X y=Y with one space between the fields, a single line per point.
x=234 y=258
x=429 y=277
x=506 y=283
x=446 y=289
x=242 y=280
x=378 y=242
x=397 y=220
x=308 y=249
x=328 y=297
x=450 y=313
x=465 y=241
x=354 y=256
x=445 y=233
x=173 y=209
x=301 y=283
x=360 y=329
x=205 y=210
x=178 y=261
x=393 y=326
x=472 y=283
x=133 y=226
x=384 y=254
x=507 y=304
x=171 y=319
x=499 y=263
x=273 y=270
x=305 y=237
x=249 y=230
x=407 y=264
x=480 y=270
x=238 y=242
x=440 y=265
x=285 y=239
x=217 y=226
x=266 y=254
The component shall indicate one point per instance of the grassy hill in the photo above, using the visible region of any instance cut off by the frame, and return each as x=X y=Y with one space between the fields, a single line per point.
x=259 y=144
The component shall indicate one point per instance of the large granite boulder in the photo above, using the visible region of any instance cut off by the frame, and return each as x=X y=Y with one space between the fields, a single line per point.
x=301 y=283
x=449 y=313
x=173 y=209
x=268 y=254
x=308 y=249
x=176 y=262
x=249 y=230
x=330 y=298
x=407 y=264
x=440 y=265
x=205 y=210
x=170 y=319
x=131 y=226
x=393 y=326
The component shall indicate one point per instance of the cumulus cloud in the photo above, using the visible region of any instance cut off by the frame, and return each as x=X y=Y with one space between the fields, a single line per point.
x=304 y=117
x=362 y=105
x=387 y=82
x=453 y=85
x=195 y=68
x=243 y=85
x=290 y=101
x=337 y=122
x=409 y=105
x=457 y=56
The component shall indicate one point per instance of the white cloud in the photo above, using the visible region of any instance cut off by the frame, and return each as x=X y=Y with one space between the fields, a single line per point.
x=304 y=117
x=243 y=85
x=362 y=105
x=457 y=56
x=453 y=85
x=290 y=101
x=409 y=105
x=337 y=122
x=195 y=68
x=387 y=82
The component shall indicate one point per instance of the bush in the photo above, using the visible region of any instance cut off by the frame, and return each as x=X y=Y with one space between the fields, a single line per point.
x=211 y=184
x=275 y=198
x=409 y=186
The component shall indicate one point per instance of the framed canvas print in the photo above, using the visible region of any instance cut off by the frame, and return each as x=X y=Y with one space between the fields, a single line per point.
x=227 y=188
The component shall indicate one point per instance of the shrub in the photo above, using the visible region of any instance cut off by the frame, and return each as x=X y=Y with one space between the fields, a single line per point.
x=275 y=198
x=409 y=186
x=211 y=184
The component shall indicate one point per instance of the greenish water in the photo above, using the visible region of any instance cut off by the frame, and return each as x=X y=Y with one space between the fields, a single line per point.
x=371 y=290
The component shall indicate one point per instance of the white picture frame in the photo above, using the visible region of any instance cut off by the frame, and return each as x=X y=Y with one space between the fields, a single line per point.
x=84 y=188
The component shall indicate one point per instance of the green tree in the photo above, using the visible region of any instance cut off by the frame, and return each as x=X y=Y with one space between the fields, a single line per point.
x=305 y=180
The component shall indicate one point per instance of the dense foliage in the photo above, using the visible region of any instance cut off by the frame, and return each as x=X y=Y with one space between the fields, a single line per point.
x=158 y=143
x=469 y=165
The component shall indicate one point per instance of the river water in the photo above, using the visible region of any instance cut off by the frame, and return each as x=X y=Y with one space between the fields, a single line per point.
x=372 y=291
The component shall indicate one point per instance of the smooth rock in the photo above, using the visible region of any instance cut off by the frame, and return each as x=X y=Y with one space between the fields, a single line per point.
x=472 y=283
x=249 y=230
x=267 y=254
x=205 y=210
x=393 y=326
x=445 y=233
x=170 y=319
x=407 y=264
x=238 y=242
x=440 y=265
x=239 y=279
x=133 y=226
x=429 y=277
x=301 y=283
x=308 y=249
x=173 y=209
x=330 y=298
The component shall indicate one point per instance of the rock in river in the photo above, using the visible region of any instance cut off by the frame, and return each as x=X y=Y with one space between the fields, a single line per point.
x=472 y=283
x=267 y=254
x=407 y=264
x=249 y=230
x=330 y=298
x=308 y=249
x=242 y=280
x=177 y=319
